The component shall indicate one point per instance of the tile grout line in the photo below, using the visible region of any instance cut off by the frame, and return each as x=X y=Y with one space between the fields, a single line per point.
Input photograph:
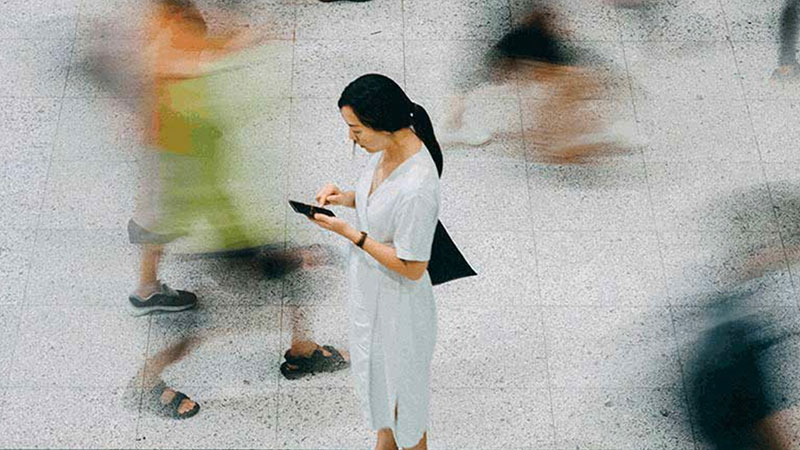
x=532 y=234
x=657 y=232
x=762 y=164
x=287 y=183
x=403 y=41
x=36 y=229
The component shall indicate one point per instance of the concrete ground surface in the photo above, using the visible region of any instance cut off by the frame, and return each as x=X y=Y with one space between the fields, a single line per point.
x=592 y=281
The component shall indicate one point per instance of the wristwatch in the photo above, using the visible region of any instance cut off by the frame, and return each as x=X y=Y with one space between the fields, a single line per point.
x=363 y=239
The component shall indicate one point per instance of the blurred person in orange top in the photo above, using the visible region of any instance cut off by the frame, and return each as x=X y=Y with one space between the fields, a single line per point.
x=185 y=182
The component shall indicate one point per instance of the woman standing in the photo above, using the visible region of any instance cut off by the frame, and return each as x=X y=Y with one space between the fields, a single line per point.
x=392 y=310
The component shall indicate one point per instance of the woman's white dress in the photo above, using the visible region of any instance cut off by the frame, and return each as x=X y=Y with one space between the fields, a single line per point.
x=393 y=319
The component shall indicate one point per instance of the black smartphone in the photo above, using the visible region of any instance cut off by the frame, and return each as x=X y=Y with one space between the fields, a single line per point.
x=310 y=210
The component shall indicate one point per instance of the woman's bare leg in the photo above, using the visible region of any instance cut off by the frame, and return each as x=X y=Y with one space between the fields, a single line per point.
x=421 y=445
x=386 y=440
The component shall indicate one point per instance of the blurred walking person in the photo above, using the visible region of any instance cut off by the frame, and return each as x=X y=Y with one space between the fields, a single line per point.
x=788 y=67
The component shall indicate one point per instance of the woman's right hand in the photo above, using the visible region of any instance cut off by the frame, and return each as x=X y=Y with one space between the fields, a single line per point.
x=330 y=194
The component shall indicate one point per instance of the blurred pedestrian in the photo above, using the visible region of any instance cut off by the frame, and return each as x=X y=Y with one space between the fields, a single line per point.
x=788 y=67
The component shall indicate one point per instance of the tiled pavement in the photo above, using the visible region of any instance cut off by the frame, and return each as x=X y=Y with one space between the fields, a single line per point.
x=575 y=334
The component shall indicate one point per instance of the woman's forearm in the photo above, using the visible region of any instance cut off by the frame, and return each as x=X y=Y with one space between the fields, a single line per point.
x=387 y=256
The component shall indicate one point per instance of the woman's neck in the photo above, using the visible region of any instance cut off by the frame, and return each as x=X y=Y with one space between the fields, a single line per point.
x=404 y=145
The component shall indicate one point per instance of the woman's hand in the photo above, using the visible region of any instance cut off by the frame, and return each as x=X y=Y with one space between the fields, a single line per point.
x=337 y=225
x=332 y=195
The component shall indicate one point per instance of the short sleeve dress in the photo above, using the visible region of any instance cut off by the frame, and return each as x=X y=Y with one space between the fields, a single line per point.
x=393 y=319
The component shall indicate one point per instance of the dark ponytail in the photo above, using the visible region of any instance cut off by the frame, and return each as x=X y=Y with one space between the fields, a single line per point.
x=381 y=104
x=423 y=127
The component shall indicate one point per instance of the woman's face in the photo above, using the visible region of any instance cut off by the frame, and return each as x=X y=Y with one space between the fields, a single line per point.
x=370 y=140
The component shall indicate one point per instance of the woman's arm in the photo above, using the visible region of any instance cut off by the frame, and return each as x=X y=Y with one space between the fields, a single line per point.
x=384 y=254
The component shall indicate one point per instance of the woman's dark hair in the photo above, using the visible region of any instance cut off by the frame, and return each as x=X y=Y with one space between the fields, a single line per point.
x=381 y=104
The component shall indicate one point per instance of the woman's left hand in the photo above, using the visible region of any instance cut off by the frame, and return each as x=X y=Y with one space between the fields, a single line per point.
x=335 y=224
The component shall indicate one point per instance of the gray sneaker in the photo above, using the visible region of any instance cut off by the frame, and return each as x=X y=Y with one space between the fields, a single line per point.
x=165 y=299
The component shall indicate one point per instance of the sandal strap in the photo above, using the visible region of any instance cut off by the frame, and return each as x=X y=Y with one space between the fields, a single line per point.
x=176 y=401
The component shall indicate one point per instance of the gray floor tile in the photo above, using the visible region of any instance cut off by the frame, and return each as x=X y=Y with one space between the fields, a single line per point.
x=82 y=268
x=752 y=20
x=34 y=19
x=683 y=70
x=90 y=195
x=693 y=130
x=79 y=347
x=9 y=317
x=338 y=420
x=117 y=19
x=275 y=19
x=756 y=62
x=34 y=68
x=600 y=269
x=116 y=136
x=229 y=346
x=776 y=127
x=382 y=20
x=718 y=196
x=490 y=418
x=693 y=20
x=319 y=128
x=450 y=67
x=324 y=324
x=16 y=247
x=453 y=19
x=322 y=69
x=489 y=253
x=229 y=417
x=489 y=347
x=627 y=418
x=600 y=197
x=584 y=21
x=484 y=196
x=22 y=184
x=27 y=127
x=783 y=180
x=614 y=348
x=701 y=265
x=73 y=418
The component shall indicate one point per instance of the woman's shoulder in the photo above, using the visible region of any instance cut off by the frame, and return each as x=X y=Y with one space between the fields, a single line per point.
x=422 y=179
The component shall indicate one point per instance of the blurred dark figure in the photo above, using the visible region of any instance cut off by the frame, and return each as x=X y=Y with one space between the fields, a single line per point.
x=566 y=131
x=562 y=129
x=788 y=67
x=737 y=378
x=736 y=403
